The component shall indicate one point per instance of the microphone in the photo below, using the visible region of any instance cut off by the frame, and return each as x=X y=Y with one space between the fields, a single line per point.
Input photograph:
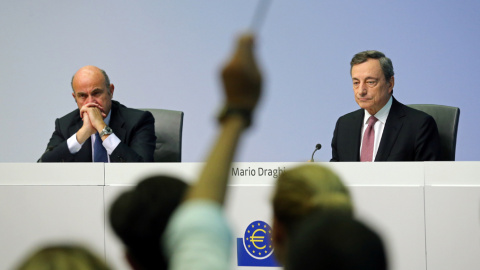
x=317 y=147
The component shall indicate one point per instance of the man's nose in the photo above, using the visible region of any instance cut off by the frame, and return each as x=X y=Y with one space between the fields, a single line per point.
x=362 y=88
x=363 y=85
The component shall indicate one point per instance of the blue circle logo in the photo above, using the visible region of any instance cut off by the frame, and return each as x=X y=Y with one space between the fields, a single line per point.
x=258 y=240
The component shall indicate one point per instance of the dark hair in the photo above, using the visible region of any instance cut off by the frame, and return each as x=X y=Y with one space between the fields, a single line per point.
x=329 y=241
x=107 y=80
x=139 y=218
x=385 y=62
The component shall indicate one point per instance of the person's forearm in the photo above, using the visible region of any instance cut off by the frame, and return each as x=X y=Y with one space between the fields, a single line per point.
x=82 y=135
x=242 y=87
x=213 y=179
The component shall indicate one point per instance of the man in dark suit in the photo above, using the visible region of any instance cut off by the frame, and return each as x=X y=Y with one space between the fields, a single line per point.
x=121 y=133
x=398 y=132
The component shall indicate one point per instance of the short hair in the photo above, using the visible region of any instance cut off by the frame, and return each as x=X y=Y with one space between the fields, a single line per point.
x=329 y=241
x=105 y=76
x=385 y=62
x=64 y=256
x=139 y=218
x=303 y=189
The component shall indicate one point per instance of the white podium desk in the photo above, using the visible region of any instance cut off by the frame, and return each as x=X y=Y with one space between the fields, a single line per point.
x=428 y=214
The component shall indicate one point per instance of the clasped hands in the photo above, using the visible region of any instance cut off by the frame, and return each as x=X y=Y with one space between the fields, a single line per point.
x=92 y=115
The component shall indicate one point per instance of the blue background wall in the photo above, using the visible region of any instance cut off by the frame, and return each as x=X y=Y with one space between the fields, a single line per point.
x=166 y=54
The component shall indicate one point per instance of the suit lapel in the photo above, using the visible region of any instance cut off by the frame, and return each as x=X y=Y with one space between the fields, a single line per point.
x=390 y=132
x=356 y=128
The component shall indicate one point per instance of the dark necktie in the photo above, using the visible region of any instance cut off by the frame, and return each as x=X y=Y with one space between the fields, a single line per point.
x=99 y=152
x=368 y=141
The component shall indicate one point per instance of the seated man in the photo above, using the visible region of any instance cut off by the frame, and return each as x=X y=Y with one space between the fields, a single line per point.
x=299 y=192
x=162 y=231
x=101 y=129
x=335 y=242
x=383 y=129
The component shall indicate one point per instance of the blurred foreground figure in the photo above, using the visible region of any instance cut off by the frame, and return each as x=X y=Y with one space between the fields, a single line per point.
x=164 y=224
x=335 y=242
x=299 y=192
x=139 y=217
x=63 y=257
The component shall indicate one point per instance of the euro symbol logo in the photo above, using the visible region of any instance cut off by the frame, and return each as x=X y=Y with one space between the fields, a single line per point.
x=257 y=240
x=254 y=238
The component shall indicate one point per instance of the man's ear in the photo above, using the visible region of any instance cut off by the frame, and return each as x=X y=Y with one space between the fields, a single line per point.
x=74 y=97
x=111 y=89
x=392 y=84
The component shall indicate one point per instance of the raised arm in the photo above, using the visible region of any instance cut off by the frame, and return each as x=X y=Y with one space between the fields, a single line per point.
x=242 y=87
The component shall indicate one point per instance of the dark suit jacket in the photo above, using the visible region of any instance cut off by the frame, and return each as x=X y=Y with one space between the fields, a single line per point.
x=408 y=135
x=134 y=128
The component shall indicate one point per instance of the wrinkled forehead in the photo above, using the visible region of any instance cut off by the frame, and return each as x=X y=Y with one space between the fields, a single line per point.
x=368 y=69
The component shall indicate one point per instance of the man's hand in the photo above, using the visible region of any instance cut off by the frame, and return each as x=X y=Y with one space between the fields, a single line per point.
x=241 y=77
x=92 y=115
x=96 y=115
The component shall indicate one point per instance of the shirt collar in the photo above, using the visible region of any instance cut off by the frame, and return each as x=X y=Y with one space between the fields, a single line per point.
x=107 y=119
x=380 y=115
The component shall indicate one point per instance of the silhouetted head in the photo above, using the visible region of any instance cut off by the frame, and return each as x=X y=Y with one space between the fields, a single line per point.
x=300 y=191
x=139 y=217
x=335 y=242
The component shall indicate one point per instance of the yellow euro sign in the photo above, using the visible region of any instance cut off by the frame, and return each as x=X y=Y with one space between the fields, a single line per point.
x=254 y=239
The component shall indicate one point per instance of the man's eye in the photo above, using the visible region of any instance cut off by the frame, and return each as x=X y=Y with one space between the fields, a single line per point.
x=371 y=83
x=97 y=93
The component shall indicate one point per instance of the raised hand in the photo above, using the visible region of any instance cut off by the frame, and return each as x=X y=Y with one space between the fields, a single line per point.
x=241 y=77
